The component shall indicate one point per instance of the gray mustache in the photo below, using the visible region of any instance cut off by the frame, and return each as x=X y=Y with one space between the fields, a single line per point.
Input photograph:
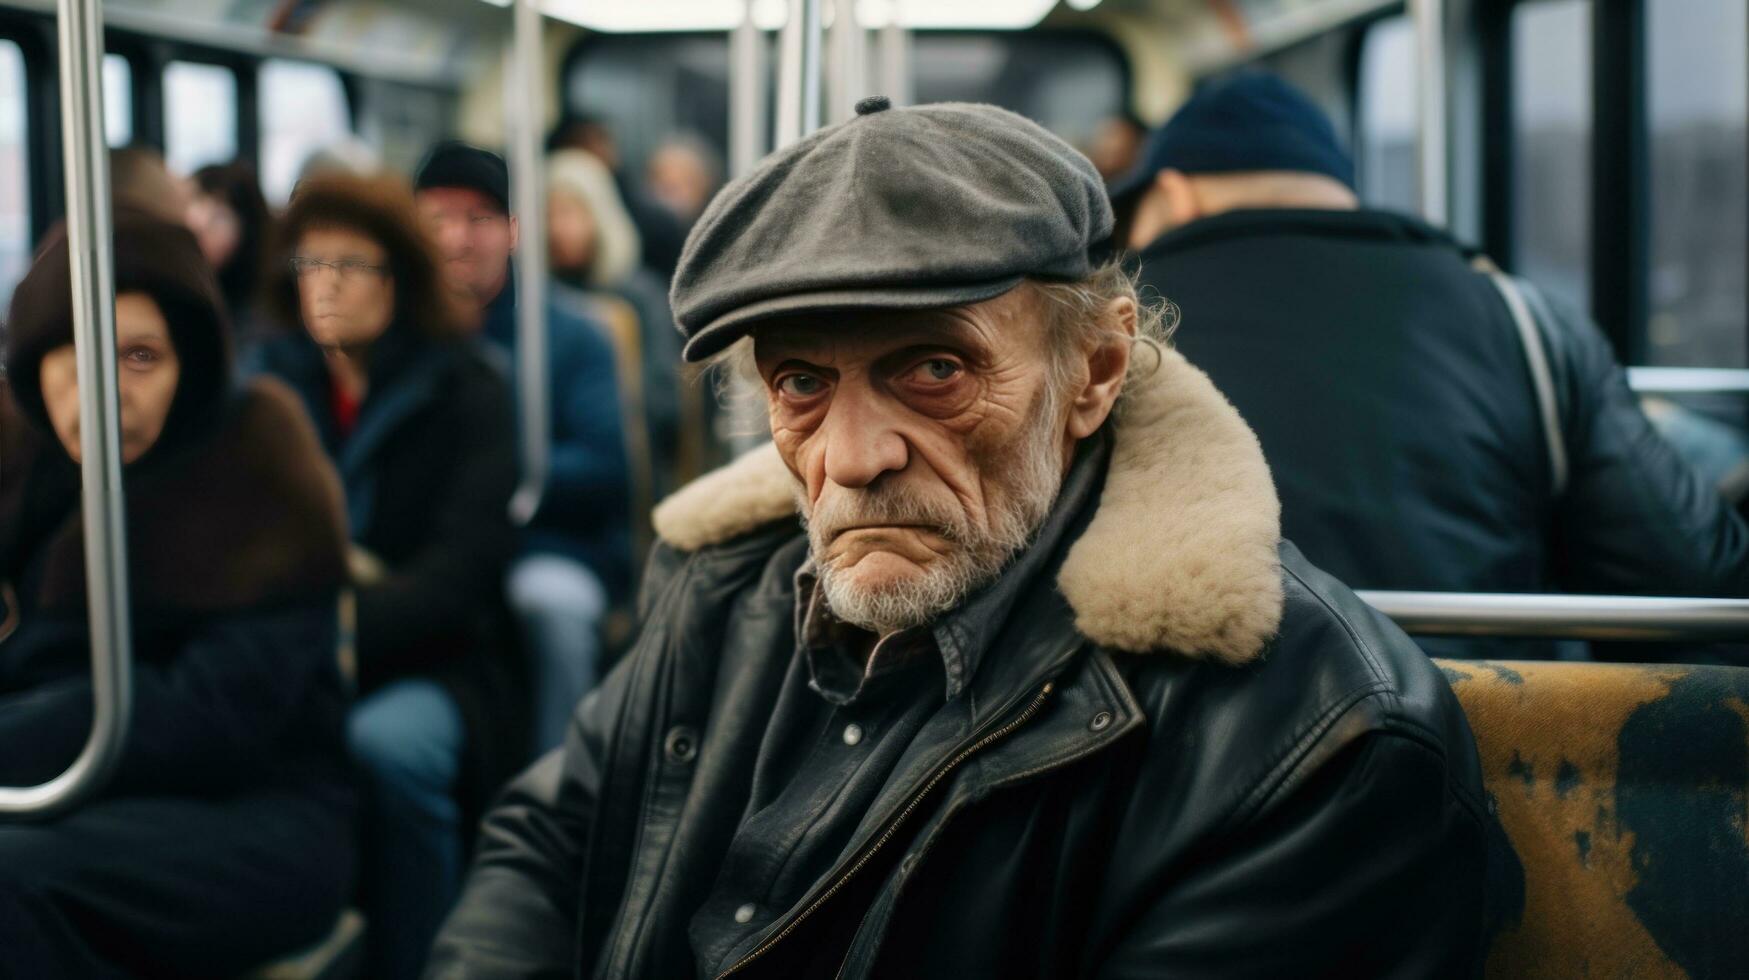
x=888 y=505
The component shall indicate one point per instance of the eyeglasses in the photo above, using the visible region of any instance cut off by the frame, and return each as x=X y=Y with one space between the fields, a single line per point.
x=350 y=270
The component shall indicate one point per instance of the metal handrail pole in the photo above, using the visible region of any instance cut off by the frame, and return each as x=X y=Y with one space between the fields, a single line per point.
x=799 y=73
x=848 y=80
x=747 y=129
x=524 y=114
x=89 y=233
x=1430 y=130
x=1582 y=617
x=894 y=45
x=1688 y=381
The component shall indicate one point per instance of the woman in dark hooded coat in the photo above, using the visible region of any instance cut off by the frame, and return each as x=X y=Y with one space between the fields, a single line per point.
x=423 y=432
x=224 y=838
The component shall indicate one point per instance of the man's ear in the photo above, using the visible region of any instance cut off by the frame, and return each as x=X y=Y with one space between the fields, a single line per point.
x=1108 y=362
x=515 y=232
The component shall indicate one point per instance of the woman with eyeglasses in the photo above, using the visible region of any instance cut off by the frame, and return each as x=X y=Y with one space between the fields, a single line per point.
x=421 y=430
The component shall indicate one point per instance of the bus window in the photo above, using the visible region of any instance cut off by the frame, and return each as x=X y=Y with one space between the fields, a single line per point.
x=1697 y=60
x=118 y=100
x=200 y=115
x=1551 y=139
x=303 y=109
x=14 y=172
x=1386 y=154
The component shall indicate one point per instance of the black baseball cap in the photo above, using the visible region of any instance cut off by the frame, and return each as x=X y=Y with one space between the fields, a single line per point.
x=453 y=163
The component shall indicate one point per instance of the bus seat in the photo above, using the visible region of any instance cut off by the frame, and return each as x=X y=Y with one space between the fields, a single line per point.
x=1624 y=791
x=340 y=956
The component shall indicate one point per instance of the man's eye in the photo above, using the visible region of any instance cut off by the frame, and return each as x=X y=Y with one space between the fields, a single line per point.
x=938 y=369
x=799 y=385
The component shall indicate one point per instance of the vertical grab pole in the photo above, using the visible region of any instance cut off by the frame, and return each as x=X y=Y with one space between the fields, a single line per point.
x=799 y=78
x=1430 y=131
x=848 y=80
x=894 y=48
x=747 y=131
x=525 y=114
x=80 y=29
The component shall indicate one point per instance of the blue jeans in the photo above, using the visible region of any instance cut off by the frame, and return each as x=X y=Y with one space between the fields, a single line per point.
x=408 y=738
x=559 y=602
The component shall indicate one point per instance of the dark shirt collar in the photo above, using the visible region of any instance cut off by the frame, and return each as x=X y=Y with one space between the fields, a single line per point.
x=960 y=637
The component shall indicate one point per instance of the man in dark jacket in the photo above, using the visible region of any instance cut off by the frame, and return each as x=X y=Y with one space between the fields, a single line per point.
x=1390 y=384
x=576 y=547
x=1037 y=692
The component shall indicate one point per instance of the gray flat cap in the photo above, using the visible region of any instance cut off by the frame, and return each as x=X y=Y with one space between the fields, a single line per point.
x=931 y=206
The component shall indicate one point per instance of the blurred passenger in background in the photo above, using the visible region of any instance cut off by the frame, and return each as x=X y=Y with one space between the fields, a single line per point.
x=234 y=227
x=1391 y=387
x=349 y=157
x=139 y=179
x=1116 y=144
x=661 y=234
x=683 y=174
x=420 y=426
x=593 y=246
x=575 y=555
x=225 y=837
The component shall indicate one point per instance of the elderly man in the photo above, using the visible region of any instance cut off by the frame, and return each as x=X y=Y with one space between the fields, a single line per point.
x=1033 y=689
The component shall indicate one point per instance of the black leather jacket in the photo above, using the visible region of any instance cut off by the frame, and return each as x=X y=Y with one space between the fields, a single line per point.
x=1190 y=754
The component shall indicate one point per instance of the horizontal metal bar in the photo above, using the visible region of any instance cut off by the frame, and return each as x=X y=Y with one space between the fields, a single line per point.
x=1579 y=617
x=1688 y=381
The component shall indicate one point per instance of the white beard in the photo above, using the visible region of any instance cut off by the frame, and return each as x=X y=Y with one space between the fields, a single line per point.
x=1022 y=500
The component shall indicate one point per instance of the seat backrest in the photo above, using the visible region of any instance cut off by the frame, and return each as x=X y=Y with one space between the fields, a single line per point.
x=1624 y=791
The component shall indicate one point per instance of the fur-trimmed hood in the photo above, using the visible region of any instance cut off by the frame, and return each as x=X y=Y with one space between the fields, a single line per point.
x=250 y=517
x=1181 y=555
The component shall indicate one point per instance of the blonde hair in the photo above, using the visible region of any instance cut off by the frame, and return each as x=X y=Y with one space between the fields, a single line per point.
x=579 y=174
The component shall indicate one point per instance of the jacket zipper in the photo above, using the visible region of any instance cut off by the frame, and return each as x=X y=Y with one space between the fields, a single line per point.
x=981 y=744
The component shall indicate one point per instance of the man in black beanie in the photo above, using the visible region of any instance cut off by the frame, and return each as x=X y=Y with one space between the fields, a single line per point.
x=1393 y=387
x=992 y=663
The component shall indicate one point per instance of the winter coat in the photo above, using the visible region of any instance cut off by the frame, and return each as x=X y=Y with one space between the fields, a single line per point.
x=1190 y=753
x=224 y=837
x=236 y=554
x=428 y=473
x=1392 y=394
x=585 y=509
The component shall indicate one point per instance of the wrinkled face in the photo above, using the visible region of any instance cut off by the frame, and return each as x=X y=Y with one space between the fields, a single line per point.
x=474 y=239
x=216 y=227
x=147 y=370
x=345 y=291
x=928 y=445
x=571 y=232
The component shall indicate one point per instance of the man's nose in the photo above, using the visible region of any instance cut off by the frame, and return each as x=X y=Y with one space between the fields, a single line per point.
x=862 y=440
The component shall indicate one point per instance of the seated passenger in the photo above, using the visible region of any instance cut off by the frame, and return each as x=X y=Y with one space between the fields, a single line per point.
x=1033 y=691
x=575 y=556
x=421 y=429
x=1390 y=387
x=593 y=245
x=224 y=838
x=140 y=180
x=659 y=231
x=232 y=222
x=683 y=173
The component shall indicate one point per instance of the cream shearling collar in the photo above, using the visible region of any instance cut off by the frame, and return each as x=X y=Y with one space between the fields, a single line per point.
x=1180 y=556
